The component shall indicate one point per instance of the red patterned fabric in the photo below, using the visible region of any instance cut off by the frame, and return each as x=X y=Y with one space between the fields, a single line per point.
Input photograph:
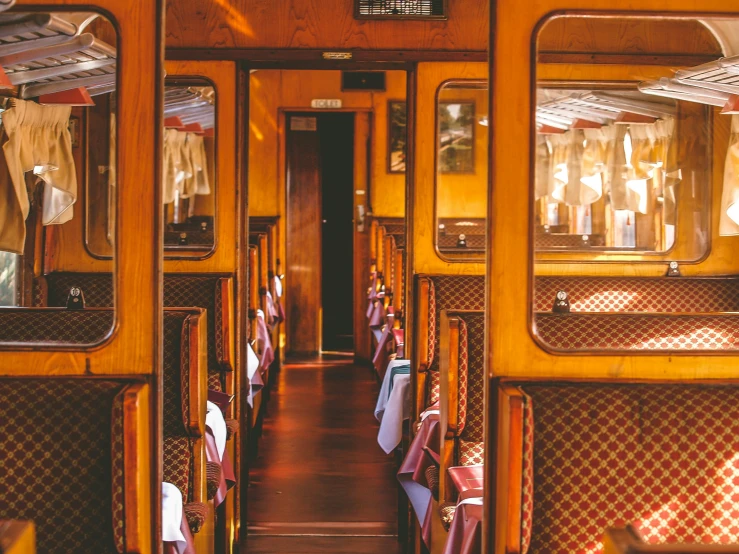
x=640 y=294
x=180 y=291
x=628 y=332
x=472 y=436
x=527 y=479
x=563 y=240
x=462 y=373
x=448 y=292
x=55 y=455
x=178 y=464
x=449 y=242
x=30 y=325
x=665 y=457
x=117 y=474
x=196 y=513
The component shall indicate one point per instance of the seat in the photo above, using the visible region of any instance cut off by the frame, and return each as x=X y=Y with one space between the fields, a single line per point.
x=433 y=294
x=662 y=457
x=62 y=454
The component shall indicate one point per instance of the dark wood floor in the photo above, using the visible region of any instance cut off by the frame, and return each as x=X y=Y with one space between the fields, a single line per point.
x=321 y=482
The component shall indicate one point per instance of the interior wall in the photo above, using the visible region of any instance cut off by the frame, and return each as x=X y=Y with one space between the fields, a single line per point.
x=326 y=24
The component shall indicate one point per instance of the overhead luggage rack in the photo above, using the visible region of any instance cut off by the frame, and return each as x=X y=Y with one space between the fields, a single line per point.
x=44 y=54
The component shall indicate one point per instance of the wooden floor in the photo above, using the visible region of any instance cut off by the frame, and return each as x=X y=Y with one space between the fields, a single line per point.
x=321 y=483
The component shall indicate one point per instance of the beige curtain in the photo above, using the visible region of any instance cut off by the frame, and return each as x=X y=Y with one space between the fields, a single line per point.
x=38 y=141
x=592 y=165
x=729 y=221
x=543 y=167
x=197 y=182
x=185 y=166
x=560 y=175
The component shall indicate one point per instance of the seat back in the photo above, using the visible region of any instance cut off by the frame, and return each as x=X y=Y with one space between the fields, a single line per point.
x=462 y=391
x=61 y=453
x=640 y=294
x=433 y=294
x=663 y=457
x=211 y=292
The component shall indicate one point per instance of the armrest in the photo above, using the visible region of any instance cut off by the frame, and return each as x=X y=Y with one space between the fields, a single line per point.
x=198 y=380
x=17 y=537
x=626 y=540
x=448 y=399
x=421 y=344
x=509 y=453
x=226 y=322
x=137 y=467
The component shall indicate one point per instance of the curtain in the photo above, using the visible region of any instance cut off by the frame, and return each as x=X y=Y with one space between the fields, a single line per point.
x=729 y=221
x=185 y=169
x=38 y=141
x=543 y=167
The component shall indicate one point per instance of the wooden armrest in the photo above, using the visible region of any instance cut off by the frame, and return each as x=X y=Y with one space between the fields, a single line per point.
x=198 y=372
x=225 y=294
x=509 y=452
x=626 y=540
x=137 y=464
x=448 y=399
x=421 y=344
x=17 y=537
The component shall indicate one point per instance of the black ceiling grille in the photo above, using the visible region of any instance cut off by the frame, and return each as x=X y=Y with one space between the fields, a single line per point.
x=400 y=9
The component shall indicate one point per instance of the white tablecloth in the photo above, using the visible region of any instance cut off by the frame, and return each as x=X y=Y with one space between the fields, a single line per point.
x=172 y=516
x=391 y=410
x=217 y=424
x=252 y=372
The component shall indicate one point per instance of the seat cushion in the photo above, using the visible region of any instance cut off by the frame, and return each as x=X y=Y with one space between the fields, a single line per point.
x=178 y=464
x=55 y=455
x=472 y=409
x=664 y=457
x=196 y=514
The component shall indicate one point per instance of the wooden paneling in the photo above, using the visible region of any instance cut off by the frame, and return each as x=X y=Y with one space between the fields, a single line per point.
x=430 y=77
x=326 y=24
x=303 y=241
x=627 y=36
x=17 y=537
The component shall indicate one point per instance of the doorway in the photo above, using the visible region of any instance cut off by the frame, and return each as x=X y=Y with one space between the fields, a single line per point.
x=320 y=230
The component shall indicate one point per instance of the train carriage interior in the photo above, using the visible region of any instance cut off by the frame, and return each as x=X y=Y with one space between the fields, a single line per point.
x=369 y=277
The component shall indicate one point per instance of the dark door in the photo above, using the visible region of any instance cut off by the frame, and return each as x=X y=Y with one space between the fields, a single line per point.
x=336 y=131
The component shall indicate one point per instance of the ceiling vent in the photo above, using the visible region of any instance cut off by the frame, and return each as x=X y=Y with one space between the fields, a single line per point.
x=400 y=9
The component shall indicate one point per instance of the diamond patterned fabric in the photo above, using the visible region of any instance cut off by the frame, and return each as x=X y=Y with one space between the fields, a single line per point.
x=55 y=326
x=117 y=476
x=55 y=455
x=449 y=292
x=178 y=464
x=449 y=242
x=527 y=475
x=180 y=291
x=472 y=436
x=640 y=294
x=462 y=374
x=196 y=513
x=638 y=332
x=557 y=240
x=663 y=457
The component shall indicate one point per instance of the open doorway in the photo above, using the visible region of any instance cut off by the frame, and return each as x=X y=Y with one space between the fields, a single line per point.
x=320 y=201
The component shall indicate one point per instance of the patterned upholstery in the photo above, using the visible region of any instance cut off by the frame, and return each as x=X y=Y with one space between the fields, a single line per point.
x=194 y=238
x=213 y=472
x=472 y=436
x=552 y=229
x=446 y=513
x=448 y=292
x=178 y=464
x=196 y=513
x=640 y=294
x=462 y=377
x=180 y=290
x=631 y=332
x=432 y=480
x=55 y=455
x=449 y=242
x=564 y=240
x=527 y=475
x=54 y=326
x=97 y=287
x=665 y=457
x=117 y=474
x=176 y=373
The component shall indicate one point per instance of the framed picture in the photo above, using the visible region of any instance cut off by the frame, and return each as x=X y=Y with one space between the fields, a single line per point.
x=456 y=137
x=396 y=115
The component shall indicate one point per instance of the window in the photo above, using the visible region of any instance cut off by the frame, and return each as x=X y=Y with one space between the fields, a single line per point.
x=8 y=279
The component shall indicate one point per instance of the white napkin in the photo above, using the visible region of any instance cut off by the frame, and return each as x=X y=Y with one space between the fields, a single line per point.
x=278 y=286
x=214 y=420
x=172 y=516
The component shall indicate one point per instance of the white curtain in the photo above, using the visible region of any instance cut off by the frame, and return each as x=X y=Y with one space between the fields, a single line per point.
x=729 y=221
x=185 y=166
x=38 y=141
x=543 y=167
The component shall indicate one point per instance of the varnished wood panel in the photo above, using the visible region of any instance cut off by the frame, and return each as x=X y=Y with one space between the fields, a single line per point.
x=627 y=36
x=430 y=77
x=326 y=24
x=17 y=537
x=303 y=241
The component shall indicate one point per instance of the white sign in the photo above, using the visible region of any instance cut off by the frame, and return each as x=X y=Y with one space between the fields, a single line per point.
x=326 y=104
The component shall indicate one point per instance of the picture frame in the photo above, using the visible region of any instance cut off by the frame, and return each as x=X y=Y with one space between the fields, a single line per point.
x=396 y=136
x=456 y=137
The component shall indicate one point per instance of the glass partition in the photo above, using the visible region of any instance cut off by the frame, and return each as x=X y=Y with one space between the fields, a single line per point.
x=461 y=169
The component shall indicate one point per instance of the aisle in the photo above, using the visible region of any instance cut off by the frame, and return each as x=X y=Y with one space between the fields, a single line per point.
x=321 y=482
